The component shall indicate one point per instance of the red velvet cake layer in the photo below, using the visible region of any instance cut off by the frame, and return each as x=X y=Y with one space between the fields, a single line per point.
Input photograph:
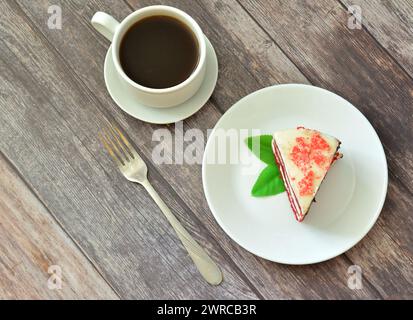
x=290 y=192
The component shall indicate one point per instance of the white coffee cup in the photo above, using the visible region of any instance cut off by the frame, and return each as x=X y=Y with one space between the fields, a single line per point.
x=159 y=98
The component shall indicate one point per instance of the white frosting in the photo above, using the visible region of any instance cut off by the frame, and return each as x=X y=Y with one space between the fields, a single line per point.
x=285 y=141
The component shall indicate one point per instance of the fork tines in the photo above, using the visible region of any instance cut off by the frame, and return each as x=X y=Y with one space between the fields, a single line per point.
x=117 y=145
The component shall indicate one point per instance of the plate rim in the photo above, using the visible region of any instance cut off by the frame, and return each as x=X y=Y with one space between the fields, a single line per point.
x=367 y=228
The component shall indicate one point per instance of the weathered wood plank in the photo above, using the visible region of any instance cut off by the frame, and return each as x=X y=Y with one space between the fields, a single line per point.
x=386 y=253
x=216 y=13
x=248 y=58
x=391 y=24
x=350 y=62
x=316 y=37
x=69 y=116
x=235 y=49
x=31 y=242
x=282 y=289
x=49 y=128
x=273 y=283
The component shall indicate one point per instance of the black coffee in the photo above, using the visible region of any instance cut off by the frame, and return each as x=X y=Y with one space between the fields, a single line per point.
x=159 y=52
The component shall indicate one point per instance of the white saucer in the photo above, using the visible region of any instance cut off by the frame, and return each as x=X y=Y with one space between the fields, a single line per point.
x=162 y=115
x=349 y=200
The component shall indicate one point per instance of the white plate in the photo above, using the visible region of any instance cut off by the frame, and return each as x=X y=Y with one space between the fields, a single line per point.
x=162 y=115
x=348 y=202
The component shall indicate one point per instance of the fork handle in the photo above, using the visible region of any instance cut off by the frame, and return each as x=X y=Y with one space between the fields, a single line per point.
x=206 y=266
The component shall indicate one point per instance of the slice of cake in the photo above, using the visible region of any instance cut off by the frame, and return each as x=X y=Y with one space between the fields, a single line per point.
x=304 y=157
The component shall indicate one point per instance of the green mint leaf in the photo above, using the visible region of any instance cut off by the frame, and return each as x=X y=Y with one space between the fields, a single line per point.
x=269 y=183
x=261 y=146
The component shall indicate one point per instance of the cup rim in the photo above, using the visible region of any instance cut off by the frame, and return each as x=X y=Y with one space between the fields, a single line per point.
x=185 y=18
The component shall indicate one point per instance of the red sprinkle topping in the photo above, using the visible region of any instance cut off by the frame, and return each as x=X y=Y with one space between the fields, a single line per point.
x=318 y=143
x=304 y=154
x=319 y=158
x=306 y=184
x=300 y=154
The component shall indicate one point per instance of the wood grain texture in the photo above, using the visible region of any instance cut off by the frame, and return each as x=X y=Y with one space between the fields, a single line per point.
x=254 y=37
x=31 y=241
x=386 y=253
x=53 y=102
x=274 y=281
x=52 y=117
x=316 y=37
x=284 y=283
x=351 y=63
x=391 y=24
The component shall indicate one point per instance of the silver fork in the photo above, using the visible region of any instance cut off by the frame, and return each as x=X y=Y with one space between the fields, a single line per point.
x=134 y=169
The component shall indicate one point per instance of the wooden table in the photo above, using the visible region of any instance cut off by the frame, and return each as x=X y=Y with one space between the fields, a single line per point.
x=63 y=202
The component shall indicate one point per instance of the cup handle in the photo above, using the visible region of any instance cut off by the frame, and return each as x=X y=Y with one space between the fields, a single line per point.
x=105 y=24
